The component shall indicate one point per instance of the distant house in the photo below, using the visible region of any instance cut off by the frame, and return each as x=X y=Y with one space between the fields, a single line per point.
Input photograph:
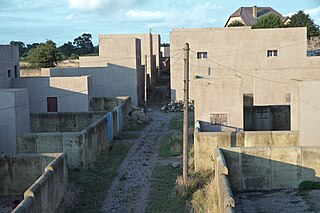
x=249 y=15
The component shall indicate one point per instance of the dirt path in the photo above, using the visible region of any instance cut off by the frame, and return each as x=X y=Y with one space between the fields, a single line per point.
x=129 y=191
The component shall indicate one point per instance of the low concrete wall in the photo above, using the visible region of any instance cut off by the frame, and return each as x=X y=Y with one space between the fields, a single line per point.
x=18 y=172
x=269 y=168
x=71 y=143
x=206 y=142
x=82 y=147
x=62 y=122
x=225 y=197
x=48 y=191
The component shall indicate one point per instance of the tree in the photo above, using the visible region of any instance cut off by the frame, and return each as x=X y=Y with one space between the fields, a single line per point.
x=236 y=23
x=22 y=47
x=44 y=55
x=83 y=44
x=67 y=49
x=300 y=19
x=268 y=21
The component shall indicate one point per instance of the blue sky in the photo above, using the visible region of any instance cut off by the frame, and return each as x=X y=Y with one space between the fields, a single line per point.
x=62 y=20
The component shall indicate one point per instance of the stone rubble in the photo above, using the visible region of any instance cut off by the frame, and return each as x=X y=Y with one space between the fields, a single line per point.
x=138 y=115
x=176 y=106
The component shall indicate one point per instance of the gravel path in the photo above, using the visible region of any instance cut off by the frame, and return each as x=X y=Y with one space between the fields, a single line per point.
x=129 y=191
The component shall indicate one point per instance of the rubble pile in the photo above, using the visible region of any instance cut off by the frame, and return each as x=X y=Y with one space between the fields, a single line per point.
x=176 y=106
x=138 y=115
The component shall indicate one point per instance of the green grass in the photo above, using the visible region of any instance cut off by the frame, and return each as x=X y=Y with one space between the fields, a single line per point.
x=176 y=122
x=163 y=196
x=309 y=185
x=171 y=146
x=94 y=182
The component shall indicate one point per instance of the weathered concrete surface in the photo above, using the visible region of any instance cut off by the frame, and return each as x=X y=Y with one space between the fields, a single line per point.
x=268 y=168
x=62 y=122
x=226 y=201
x=14 y=116
x=206 y=142
x=71 y=143
x=48 y=191
x=18 y=172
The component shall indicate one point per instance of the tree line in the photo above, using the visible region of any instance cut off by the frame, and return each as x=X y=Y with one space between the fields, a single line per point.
x=47 y=54
x=300 y=19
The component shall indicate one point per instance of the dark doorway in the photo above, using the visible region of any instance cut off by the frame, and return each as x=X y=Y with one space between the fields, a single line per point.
x=52 y=104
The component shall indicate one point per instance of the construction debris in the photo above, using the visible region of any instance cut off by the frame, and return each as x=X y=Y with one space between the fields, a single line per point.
x=176 y=106
x=138 y=115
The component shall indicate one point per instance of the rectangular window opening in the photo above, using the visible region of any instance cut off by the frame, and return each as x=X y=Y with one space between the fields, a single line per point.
x=272 y=53
x=9 y=73
x=202 y=55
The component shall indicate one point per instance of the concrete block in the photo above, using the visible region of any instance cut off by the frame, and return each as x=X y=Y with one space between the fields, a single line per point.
x=257 y=138
x=72 y=143
x=26 y=143
x=49 y=142
x=286 y=167
x=311 y=163
x=284 y=138
x=255 y=166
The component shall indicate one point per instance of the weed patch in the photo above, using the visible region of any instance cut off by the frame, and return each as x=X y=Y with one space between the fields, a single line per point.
x=94 y=182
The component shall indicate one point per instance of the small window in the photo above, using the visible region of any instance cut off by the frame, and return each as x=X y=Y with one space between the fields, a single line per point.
x=202 y=55
x=9 y=73
x=15 y=71
x=52 y=104
x=272 y=53
x=220 y=119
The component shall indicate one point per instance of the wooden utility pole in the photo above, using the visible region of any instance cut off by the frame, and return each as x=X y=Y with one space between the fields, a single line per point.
x=145 y=84
x=185 y=113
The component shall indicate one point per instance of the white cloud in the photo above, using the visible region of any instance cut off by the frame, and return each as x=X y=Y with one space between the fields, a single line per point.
x=191 y=16
x=103 y=6
x=314 y=14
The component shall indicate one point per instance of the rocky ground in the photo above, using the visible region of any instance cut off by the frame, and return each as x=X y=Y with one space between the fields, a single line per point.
x=284 y=201
x=7 y=202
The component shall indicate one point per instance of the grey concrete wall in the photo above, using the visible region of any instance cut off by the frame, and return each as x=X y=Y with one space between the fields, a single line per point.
x=83 y=146
x=206 y=142
x=226 y=202
x=305 y=111
x=14 y=114
x=269 y=168
x=106 y=81
x=18 y=172
x=71 y=143
x=47 y=192
x=30 y=72
x=228 y=52
x=219 y=96
x=73 y=94
x=9 y=60
x=62 y=122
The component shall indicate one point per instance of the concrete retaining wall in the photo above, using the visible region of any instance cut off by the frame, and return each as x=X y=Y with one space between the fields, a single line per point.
x=206 y=142
x=268 y=168
x=81 y=147
x=62 y=122
x=47 y=192
x=225 y=197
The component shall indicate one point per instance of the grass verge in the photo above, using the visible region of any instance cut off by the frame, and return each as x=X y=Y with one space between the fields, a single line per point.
x=163 y=197
x=94 y=183
x=127 y=135
x=171 y=146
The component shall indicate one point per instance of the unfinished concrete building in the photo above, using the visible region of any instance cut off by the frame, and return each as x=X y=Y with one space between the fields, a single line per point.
x=110 y=53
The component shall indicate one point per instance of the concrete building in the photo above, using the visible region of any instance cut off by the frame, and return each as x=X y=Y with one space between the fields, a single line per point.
x=109 y=52
x=9 y=65
x=57 y=94
x=117 y=71
x=265 y=59
x=249 y=15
